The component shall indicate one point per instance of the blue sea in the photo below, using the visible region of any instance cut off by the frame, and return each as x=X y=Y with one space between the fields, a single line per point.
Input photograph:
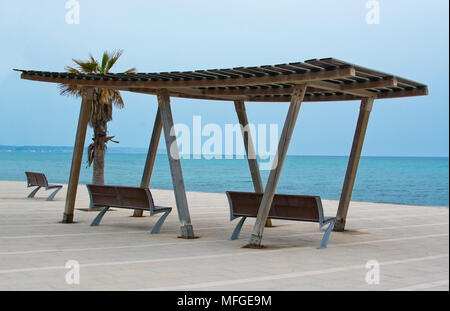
x=404 y=180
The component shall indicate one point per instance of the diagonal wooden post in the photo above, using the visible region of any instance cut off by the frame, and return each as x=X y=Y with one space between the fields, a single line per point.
x=151 y=156
x=83 y=120
x=250 y=151
x=353 y=162
x=283 y=145
x=187 y=231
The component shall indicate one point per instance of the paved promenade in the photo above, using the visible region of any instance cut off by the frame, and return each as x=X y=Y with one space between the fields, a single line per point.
x=409 y=243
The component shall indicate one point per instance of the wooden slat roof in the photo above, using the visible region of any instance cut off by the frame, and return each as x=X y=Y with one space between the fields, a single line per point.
x=328 y=79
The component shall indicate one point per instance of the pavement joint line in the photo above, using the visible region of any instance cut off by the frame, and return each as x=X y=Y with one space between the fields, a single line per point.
x=350 y=219
x=386 y=228
x=199 y=257
x=183 y=243
x=423 y=286
x=289 y=275
x=169 y=230
x=91 y=233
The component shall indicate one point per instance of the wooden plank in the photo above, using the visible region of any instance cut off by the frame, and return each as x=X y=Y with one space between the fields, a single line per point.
x=187 y=231
x=151 y=156
x=256 y=98
x=83 y=120
x=292 y=78
x=286 y=98
x=340 y=88
x=405 y=93
x=343 y=88
x=274 y=176
x=353 y=162
x=250 y=150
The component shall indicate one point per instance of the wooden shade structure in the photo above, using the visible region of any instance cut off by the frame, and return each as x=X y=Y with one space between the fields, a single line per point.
x=326 y=79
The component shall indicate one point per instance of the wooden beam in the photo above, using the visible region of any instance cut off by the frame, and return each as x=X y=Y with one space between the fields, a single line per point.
x=343 y=88
x=312 y=98
x=297 y=78
x=383 y=83
x=257 y=95
x=274 y=176
x=405 y=93
x=83 y=120
x=353 y=162
x=187 y=231
x=151 y=156
x=250 y=151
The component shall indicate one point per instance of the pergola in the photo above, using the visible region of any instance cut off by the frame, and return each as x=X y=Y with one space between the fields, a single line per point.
x=326 y=79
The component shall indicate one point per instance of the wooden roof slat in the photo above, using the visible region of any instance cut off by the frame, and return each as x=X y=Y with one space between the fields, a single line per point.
x=165 y=82
x=226 y=72
x=279 y=70
x=206 y=74
x=250 y=71
x=320 y=64
x=190 y=75
x=326 y=77
x=374 y=72
x=291 y=68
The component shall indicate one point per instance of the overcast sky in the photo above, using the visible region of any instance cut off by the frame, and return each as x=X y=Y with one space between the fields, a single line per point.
x=410 y=41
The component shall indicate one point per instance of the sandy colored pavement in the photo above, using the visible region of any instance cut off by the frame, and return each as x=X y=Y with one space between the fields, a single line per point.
x=408 y=244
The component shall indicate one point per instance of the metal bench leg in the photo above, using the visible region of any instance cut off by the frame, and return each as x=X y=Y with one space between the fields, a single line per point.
x=237 y=230
x=31 y=195
x=326 y=236
x=160 y=222
x=51 y=196
x=99 y=217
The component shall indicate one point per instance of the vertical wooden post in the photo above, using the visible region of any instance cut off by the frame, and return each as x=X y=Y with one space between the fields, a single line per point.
x=250 y=150
x=151 y=156
x=187 y=231
x=83 y=119
x=353 y=162
x=283 y=145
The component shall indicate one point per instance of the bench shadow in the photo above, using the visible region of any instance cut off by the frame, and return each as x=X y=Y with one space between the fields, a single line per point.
x=278 y=246
x=352 y=232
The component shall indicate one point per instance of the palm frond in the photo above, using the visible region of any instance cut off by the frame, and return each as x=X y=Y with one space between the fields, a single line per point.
x=105 y=60
x=72 y=70
x=131 y=70
x=86 y=66
x=94 y=61
x=116 y=99
x=113 y=59
x=70 y=90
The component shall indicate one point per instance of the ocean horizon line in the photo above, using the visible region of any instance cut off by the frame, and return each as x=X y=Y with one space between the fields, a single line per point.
x=143 y=150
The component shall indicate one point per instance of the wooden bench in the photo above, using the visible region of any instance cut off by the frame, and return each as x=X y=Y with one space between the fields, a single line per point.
x=125 y=197
x=284 y=206
x=39 y=180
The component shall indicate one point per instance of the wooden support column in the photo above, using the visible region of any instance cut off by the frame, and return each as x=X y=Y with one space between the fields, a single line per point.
x=353 y=162
x=151 y=156
x=250 y=150
x=187 y=231
x=283 y=145
x=83 y=120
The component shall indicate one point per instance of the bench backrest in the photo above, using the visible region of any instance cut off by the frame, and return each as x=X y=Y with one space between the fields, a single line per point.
x=120 y=196
x=36 y=179
x=284 y=206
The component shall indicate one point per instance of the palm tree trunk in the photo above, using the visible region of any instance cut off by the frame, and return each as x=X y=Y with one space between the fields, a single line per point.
x=98 y=176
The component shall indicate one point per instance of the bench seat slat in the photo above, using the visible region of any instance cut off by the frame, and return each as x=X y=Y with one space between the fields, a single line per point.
x=284 y=207
x=291 y=207
x=135 y=198
x=39 y=180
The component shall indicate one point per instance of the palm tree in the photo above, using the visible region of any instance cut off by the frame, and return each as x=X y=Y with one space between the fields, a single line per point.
x=103 y=102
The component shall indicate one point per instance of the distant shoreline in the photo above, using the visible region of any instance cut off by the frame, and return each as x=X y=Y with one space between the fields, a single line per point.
x=142 y=150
